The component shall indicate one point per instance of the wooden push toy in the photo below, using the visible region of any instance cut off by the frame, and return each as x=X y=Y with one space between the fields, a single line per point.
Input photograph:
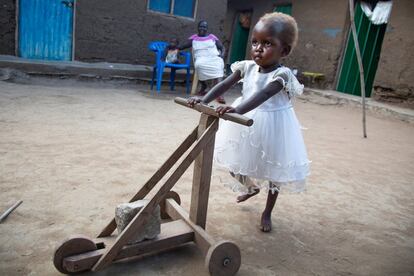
x=80 y=253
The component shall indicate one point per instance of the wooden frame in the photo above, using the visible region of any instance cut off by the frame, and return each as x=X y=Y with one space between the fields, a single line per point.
x=223 y=257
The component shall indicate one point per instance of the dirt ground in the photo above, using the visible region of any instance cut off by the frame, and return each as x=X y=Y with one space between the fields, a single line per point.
x=73 y=150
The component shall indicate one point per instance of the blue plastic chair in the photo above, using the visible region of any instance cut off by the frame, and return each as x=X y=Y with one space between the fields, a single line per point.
x=158 y=69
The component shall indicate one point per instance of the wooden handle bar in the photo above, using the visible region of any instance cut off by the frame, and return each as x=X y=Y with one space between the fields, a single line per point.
x=234 y=117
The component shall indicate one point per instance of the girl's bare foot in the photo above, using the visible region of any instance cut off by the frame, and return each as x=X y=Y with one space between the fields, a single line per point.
x=245 y=197
x=266 y=222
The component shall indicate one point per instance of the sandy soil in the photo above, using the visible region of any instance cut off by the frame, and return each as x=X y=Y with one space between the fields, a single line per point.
x=72 y=151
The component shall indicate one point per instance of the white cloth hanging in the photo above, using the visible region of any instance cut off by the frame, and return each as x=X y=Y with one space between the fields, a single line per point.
x=380 y=14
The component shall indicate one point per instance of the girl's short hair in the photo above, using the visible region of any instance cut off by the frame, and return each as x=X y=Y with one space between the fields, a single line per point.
x=284 y=26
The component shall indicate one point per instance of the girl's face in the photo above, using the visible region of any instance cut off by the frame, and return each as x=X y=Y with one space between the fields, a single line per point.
x=266 y=48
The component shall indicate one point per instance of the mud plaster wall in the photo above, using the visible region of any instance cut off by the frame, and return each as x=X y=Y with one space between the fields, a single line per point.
x=321 y=31
x=394 y=80
x=116 y=31
x=7 y=27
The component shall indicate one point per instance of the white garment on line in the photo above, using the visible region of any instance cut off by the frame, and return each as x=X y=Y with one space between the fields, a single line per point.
x=380 y=14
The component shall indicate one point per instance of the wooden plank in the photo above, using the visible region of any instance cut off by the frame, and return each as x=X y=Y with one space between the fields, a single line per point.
x=172 y=234
x=194 y=84
x=141 y=218
x=158 y=175
x=234 y=117
x=202 y=177
x=201 y=237
x=8 y=211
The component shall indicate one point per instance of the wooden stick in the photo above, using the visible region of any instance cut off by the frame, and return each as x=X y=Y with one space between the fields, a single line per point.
x=201 y=237
x=158 y=175
x=8 y=211
x=141 y=218
x=361 y=67
x=202 y=176
x=234 y=117
x=194 y=84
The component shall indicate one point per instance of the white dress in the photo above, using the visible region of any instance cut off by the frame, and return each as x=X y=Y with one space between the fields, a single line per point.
x=272 y=151
x=207 y=61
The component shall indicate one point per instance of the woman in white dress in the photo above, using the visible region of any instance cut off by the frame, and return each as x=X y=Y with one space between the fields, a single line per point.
x=271 y=153
x=208 y=54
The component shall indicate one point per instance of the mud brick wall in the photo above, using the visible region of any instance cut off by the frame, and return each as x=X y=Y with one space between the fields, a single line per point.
x=120 y=31
x=7 y=27
x=394 y=81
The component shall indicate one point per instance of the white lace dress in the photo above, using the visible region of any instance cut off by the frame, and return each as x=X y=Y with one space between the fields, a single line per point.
x=272 y=151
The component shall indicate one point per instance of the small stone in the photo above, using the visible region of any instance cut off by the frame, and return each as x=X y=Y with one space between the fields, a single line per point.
x=125 y=212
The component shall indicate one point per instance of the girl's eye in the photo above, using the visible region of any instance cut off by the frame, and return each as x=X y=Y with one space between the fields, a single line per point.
x=254 y=43
x=267 y=44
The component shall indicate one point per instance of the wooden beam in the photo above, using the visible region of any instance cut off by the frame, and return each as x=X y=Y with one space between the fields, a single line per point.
x=202 y=176
x=234 y=117
x=158 y=175
x=194 y=84
x=141 y=218
x=8 y=211
x=201 y=237
x=172 y=234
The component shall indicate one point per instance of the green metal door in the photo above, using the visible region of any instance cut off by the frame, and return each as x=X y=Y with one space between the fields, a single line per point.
x=239 y=43
x=287 y=9
x=370 y=39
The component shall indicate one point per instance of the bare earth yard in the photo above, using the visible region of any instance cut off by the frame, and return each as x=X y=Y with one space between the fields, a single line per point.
x=72 y=151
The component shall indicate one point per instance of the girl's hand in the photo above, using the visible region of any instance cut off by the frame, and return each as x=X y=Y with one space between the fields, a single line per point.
x=192 y=101
x=225 y=109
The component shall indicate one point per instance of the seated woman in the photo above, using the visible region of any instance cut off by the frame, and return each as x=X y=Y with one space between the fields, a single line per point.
x=208 y=54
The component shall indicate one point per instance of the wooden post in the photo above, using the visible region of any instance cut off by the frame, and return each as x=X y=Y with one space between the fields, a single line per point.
x=360 y=65
x=202 y=176
x=194 y=83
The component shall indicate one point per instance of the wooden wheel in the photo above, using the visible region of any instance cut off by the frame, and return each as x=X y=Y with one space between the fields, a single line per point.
x=71 y=246
x=170 y=194
x=223 y=259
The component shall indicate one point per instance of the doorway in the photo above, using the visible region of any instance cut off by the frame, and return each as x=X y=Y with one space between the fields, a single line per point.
x=45 y=29
x=240 y=36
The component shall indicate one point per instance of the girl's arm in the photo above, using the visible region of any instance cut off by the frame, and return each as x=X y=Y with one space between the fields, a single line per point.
x=254 y=101
x=217 y=90
x=185 y=45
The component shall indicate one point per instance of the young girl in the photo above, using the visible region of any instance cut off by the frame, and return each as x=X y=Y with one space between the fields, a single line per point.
x=208 y=54
x=271 y=153
x=172 y=51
